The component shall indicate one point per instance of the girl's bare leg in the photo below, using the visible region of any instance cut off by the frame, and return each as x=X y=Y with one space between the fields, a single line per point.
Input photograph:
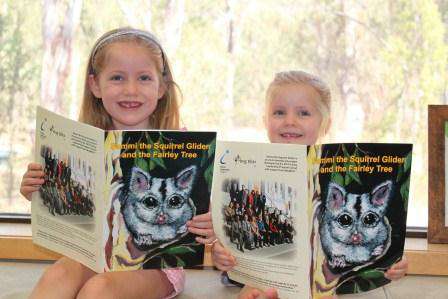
x=62 y=280
x=145 y=284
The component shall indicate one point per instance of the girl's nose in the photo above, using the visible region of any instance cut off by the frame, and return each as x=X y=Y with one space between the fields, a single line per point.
x=131 y=87
x=291 y=119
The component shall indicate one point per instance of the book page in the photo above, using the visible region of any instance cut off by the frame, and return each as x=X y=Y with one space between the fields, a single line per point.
x=67 y=210
x=260 y=213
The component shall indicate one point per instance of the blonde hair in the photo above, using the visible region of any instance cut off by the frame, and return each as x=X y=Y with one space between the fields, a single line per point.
x=166 y=114
x=301 y=77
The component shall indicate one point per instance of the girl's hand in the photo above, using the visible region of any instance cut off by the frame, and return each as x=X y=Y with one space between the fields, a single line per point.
x=202 y=225
x=222 y=258
x=398 y=270
x=251 y=293
x=31 y=180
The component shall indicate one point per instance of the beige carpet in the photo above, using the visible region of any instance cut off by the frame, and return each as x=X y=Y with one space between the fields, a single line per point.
x=18 y=278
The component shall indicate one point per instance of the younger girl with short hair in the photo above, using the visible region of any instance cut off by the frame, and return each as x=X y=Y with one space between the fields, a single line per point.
x=298 y=109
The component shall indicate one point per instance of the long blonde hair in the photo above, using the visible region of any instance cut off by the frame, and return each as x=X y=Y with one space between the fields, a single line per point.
x=301 y=77
x=166 y=114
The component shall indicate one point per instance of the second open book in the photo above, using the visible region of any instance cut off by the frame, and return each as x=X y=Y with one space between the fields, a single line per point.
x=311 y=220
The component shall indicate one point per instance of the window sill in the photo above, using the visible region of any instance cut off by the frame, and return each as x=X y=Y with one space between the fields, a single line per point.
x=425 y=258
x=16 y=244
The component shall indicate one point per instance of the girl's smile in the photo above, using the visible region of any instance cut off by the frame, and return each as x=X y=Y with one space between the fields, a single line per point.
x=130 y=104
x=290 y=135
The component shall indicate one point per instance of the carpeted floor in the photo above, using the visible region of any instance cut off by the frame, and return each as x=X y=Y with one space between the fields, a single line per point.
x=18 y=278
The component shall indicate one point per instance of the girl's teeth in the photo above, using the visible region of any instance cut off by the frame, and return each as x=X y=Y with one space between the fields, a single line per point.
x=289 y=135
x=129 y=104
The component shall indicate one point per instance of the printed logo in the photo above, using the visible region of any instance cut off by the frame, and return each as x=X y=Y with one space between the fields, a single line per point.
x=43 y=128
x=221 y=160
x=248 y=161
x=47 y=129
x=57 y=132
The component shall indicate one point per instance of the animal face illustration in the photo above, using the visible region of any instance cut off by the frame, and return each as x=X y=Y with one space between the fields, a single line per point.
x=155 y=210
x=353 y=228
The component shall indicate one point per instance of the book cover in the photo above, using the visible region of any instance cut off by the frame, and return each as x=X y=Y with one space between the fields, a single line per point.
x=156 y=182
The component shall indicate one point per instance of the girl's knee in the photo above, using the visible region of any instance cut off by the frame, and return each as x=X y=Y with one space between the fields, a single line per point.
x=60 y=271
x=65 y=272
x=99 y=286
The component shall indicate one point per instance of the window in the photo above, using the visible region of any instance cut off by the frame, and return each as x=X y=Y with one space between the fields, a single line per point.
x=384 y=61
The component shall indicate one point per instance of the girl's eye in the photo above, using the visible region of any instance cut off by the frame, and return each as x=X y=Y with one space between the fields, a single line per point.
x=278 y=112
x=303 y=113
x=116 y=78
x=145 y=78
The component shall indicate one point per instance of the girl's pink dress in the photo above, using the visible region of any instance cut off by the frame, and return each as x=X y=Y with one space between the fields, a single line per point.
x=177 y=278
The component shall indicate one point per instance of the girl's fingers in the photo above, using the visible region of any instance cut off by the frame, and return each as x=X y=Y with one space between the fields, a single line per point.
x=34 y=166
x=202 y=232
x=223 y=264
x=398 y=270
x=32 y=182
x=207 y=217
x=271 y=293
x=34 y=174
x=29 y=189
x=222 y=267
x=224 y=257
x=401 y=265
x=394 y=274
x=26 y=191
x=226 y=263
x=249 y=293
x=220 y=250
x=203 y=224
x=205 y=241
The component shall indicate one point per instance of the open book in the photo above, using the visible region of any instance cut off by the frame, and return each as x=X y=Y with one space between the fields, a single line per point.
x=120 y=200
x=309 y=220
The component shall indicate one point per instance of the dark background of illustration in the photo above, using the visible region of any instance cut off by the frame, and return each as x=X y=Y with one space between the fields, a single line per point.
x=396 y=211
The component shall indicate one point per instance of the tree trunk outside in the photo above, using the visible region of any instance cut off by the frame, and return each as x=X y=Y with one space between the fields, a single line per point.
x=174 y=20
x=229 y=104
x=137 y=13
x=353 y=121
x=57 y=49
